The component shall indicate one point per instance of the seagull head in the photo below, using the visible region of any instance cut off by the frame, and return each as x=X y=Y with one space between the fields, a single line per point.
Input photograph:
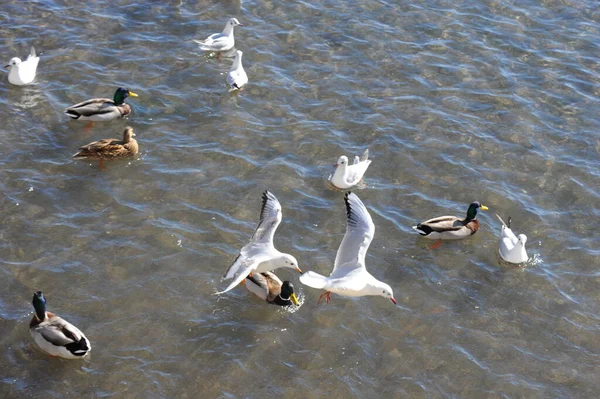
x=386 y=292
x=16 y=61
x=522 y=239
x=234 y=22
x=291 y=262
x=342 y=161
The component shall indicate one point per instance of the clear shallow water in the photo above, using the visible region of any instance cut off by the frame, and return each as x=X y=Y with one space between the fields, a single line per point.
x=456 y=101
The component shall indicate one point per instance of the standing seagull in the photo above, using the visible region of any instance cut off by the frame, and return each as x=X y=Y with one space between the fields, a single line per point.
x=23 y=72
x=237 y=78
x=55 y=336
x=350 y=276
x=260 y=255
x=512 y=248
x=220 y=41
x=346 y=176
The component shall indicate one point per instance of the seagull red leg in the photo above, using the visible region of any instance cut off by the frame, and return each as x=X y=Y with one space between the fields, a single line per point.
x=326 y=295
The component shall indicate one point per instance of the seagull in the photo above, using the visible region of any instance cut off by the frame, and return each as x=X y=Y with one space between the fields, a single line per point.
x=237 y=78
x=346 y=176
x=23 y=72
x=512 y=248
x=260 y=255
x=350 y=276
x=220 y=41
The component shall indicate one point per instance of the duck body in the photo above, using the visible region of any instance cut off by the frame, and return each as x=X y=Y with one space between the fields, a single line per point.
x=346 y=176
x=236 y=77
x=54 y=335
x=268 y=287
x=110 y=148
x=223 y=41
x=451 y=227
x=102 y=109
x=512 y=247
x=23 y=72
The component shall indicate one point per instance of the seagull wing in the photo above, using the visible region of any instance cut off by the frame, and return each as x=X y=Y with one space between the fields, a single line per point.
x=270 y=217
x=359 y=234
x=245 y=267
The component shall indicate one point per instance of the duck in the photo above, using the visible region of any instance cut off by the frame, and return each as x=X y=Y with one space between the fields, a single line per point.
x=346 y=176
x=237 y=78
x=54 y=335
x=102 y=109
x=23 y=72
x=223 y=41
x=268 y=287
x=451 y=227
x=110 y=148
x=512 y=248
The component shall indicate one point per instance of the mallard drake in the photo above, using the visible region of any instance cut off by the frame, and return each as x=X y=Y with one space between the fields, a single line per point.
x=345 y=175
x=268 y=287
x=236 y=77
x=110 y=148
x=512 y=248
x=223 y=41
x=55 y=336
x=451 y=227
x=23 y=72
x=102 y=109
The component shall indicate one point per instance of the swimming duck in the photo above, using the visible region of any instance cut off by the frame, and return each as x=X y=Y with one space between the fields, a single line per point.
x=55 y=336
x=220 y=41
x=451 y=227
x=110 y=148
x=23 y=72
x=512 y=248
x=268 y=287
x=237 y=78
x=102 y=109
x=346 y=176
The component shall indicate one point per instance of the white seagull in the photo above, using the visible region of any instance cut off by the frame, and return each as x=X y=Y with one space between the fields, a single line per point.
x=346 y=176
x=23 y=72
x=512 y=248
x=237 y=78
x=350 y=276
x=260 y=255
x=220 y=41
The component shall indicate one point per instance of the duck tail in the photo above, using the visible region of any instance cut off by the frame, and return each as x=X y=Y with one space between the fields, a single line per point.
x=423 y=230
x=79 y=348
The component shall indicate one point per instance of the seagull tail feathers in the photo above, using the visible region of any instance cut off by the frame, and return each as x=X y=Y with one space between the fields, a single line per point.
x=314 y=280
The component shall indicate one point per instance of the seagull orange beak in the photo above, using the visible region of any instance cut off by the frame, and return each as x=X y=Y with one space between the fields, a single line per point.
x=393 y=300
x=298 y=270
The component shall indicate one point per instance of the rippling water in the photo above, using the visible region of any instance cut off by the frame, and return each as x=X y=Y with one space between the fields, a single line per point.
x=456 y=100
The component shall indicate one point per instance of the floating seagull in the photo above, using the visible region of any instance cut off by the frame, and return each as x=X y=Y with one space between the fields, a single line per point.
x=268 y=287
x=23 y=72
x=512 y=248
x=110 y=148
x=55 y=336
x=102 y=109
x=260 y=255
x=237 y=78
x=350 y=276
x=223 y=41
x=451 y=227
x=346 y=176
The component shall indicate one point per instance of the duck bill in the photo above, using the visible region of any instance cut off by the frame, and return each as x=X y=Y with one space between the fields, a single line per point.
x=294 y=299
x=393 y=300
x=132 y=94
x=298 y=270
x=483 y=208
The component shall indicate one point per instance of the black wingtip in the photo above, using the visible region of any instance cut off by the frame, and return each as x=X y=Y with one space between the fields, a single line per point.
x=348 y=206
x=508 y=222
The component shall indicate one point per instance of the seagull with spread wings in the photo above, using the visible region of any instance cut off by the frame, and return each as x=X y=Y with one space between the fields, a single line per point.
x=260 y=255
x=350 y=276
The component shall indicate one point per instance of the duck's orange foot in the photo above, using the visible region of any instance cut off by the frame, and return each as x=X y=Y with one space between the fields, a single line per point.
x=436 y=244
x=326 y=295
x=89 y=126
